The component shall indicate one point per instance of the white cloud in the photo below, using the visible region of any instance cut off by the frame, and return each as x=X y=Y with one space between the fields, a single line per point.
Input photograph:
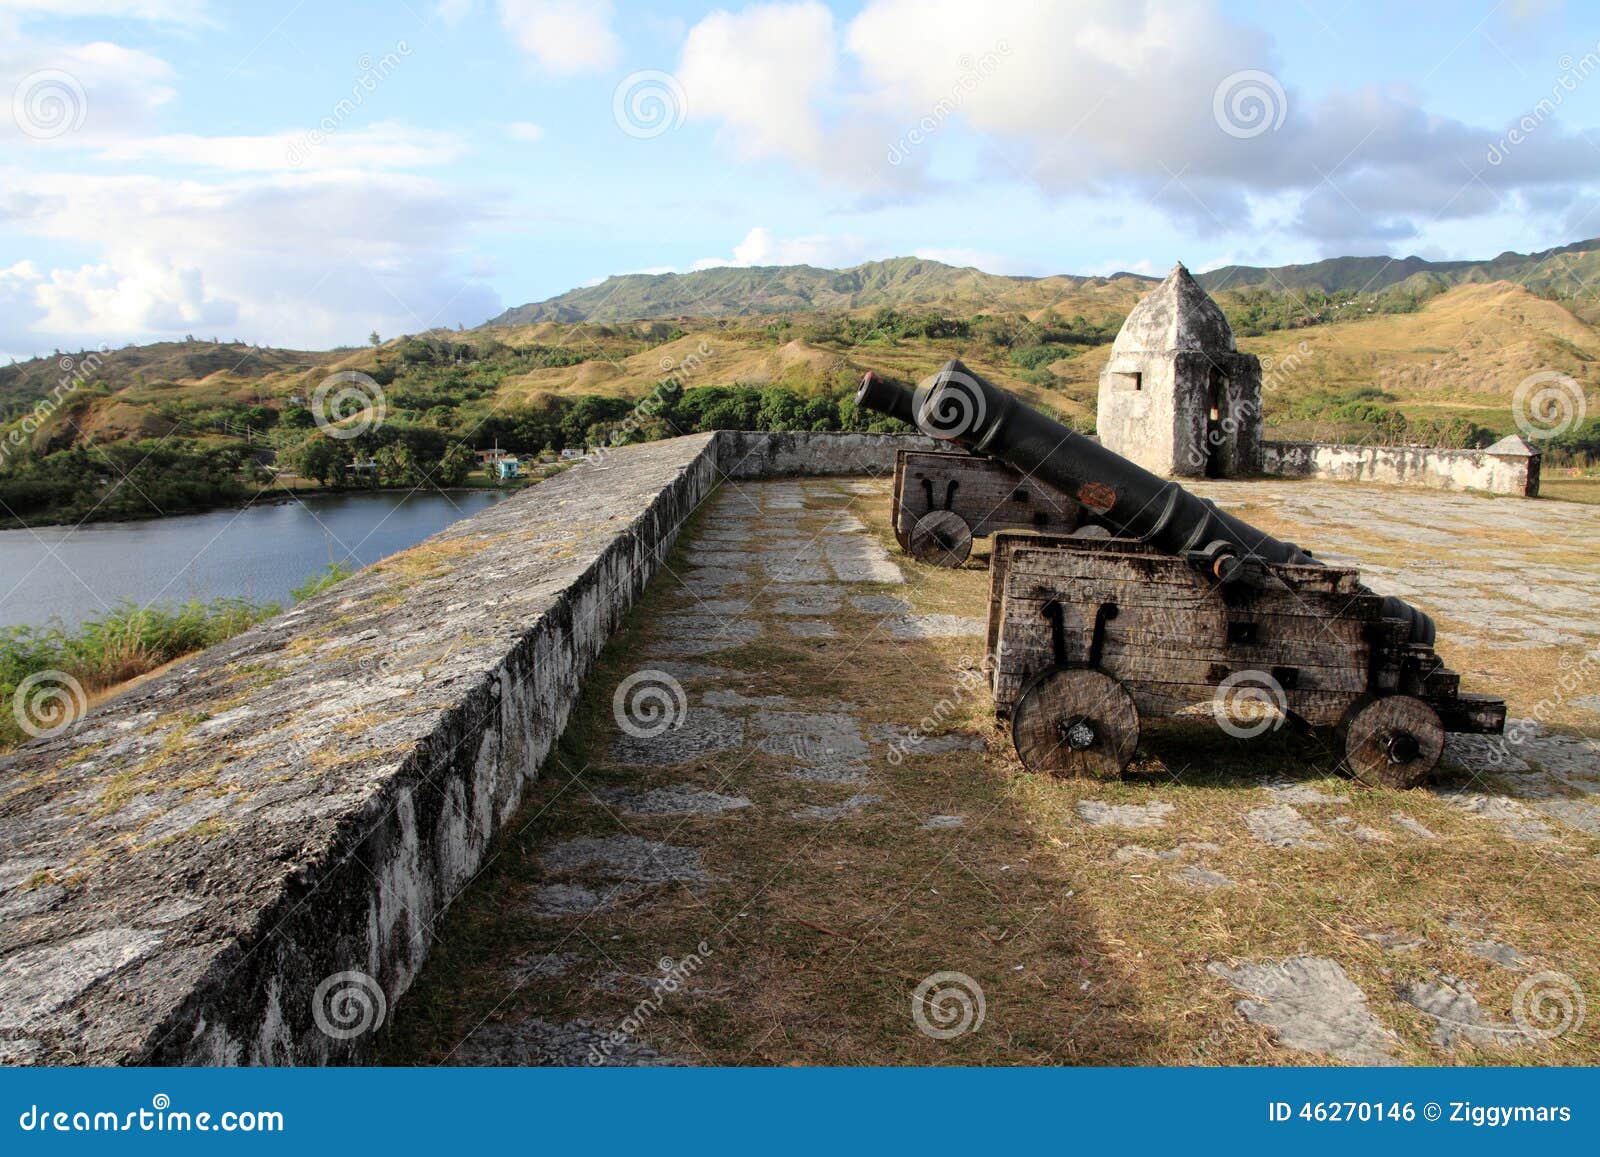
x=189 y=12
x=102 y=90
x=314 y=259
x=1103 y=99
x=760 y=247
x=986 y=260
x=524 y=131
x=385 y=145
x=760 y=72
x=452 y=12
x=565 y=37
x=769 y=75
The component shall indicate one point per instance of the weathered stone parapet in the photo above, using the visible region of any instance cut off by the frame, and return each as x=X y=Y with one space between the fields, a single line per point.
x=245 y=859
x=754 y=455
x=1512 y=470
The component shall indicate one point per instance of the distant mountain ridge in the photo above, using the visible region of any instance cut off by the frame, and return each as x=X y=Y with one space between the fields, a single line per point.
x=912 y=282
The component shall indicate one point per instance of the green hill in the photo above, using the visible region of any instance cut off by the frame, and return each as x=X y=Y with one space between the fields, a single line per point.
x=1560 y=272
x=910 y=283
x=900 y=282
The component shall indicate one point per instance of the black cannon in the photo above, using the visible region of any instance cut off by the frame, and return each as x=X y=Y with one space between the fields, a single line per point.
x=1184 y=604
x=942 y=501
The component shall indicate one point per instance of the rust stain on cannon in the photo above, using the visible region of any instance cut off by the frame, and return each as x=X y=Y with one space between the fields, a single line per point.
x=1097 y=496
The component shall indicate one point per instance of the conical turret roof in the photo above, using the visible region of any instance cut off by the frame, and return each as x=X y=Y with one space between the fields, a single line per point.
x=1176 y=315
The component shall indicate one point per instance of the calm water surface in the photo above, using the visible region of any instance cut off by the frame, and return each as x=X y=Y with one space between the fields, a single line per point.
x=258 y=553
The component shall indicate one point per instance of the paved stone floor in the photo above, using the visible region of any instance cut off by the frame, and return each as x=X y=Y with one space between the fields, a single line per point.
x=785 y=828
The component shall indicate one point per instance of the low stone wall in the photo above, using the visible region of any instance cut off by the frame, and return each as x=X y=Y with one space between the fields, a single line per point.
x=1404 y=465
x=752 y=455
x=243 y=861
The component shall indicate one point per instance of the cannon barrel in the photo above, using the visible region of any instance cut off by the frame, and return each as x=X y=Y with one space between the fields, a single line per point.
x=887 y=398
x=957 y=405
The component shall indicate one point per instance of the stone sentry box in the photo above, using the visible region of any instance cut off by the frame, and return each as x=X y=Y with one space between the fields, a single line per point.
x=1176 y=396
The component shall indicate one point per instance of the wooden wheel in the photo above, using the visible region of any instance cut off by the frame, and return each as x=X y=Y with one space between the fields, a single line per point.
x=1393 y=741
x=1076 y=722
x=940 y=538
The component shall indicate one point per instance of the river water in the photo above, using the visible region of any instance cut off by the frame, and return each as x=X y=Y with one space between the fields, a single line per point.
x=259 y=553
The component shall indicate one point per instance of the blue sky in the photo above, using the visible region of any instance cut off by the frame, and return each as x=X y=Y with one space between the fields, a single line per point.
x=300 y=174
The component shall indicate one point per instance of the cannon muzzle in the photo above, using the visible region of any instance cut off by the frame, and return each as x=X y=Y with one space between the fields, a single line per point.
x=959 y=406
x=887 y=398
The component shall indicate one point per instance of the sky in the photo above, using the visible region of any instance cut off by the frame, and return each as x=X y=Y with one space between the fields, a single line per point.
x=303 y=173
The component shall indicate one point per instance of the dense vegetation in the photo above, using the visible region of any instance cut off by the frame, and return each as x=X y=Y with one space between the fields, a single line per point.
x=177 y=427
x=122 y=480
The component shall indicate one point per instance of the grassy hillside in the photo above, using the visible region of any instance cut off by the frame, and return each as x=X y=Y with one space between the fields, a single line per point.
x=196 y=424
x=1563 y=271
x=902 y=282
x=909 y=282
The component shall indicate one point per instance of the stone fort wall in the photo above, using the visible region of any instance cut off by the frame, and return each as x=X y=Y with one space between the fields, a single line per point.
x=1404 y=466
x=244 y=860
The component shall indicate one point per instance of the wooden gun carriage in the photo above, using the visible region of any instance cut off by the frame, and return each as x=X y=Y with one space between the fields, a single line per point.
x=1089 y=635
x=942 y=501
x=1183 y=606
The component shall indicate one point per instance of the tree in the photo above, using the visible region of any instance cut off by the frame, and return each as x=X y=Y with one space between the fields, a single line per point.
x=323 y=459
x=456 y=464
x=374 y=339
x=396 y=464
